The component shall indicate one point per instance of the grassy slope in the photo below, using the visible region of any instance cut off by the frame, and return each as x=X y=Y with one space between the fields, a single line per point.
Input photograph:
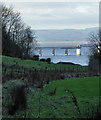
x=60 y=105
x=81 y=87
x=86 y=91
x=8 y=61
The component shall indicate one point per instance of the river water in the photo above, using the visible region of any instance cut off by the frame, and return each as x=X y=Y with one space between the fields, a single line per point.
x=83 y=59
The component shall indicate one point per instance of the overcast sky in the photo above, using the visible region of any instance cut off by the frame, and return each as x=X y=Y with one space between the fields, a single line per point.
x=58 y=15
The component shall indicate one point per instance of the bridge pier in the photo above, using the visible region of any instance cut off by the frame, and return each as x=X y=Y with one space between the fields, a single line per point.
x=78 y=51
x=66 y=52
x=53 y=52
x=40 y=54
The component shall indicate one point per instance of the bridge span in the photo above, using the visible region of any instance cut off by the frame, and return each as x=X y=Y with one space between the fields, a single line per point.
x=78 y=49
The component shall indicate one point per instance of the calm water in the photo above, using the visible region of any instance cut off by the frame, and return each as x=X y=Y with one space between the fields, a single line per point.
x=60 y=55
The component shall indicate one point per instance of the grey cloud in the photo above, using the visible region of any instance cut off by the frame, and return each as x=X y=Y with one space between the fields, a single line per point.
x=61 y=15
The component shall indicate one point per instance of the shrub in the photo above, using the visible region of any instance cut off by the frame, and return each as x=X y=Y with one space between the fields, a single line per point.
x=15 y=97
x=43 y=60
x=48 y=60
x=36 y=57
x=94 y=63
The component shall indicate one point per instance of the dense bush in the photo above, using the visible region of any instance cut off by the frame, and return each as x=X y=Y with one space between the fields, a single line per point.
x=48 y=60
x=36 y=57
x=94 y=62
x=95 y=57
x=43 y=60
x=15 y=97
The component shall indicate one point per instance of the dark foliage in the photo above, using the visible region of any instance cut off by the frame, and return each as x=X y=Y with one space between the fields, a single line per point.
x=95 y=62
x=17 y=38
x=9 y=47
x=48 y=60
x=43 y=60
x=18 y=97
x=36 y=57
x=95 y=57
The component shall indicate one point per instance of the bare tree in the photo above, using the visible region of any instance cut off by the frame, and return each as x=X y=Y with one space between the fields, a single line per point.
x=95 y=40
x=95 y=57
x=16 y=32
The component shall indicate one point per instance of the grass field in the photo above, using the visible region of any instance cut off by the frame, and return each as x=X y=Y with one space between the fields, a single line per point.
x=41 y=103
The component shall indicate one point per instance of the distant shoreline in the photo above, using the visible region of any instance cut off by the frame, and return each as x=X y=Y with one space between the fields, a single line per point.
x=68 y=63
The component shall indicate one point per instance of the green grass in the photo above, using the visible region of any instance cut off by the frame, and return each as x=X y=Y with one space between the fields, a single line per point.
x=80 y=86
x=9 y=61
x=86 y=91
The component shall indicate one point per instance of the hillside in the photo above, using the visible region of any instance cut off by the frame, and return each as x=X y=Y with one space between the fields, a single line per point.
x=64 y=35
